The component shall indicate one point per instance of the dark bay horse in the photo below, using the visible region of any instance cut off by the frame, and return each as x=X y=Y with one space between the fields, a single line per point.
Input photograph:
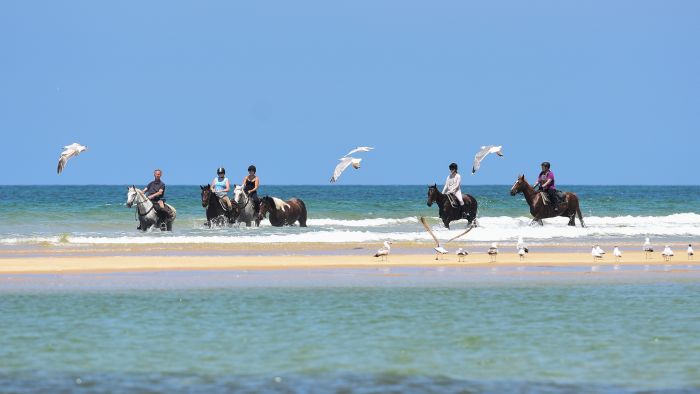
x=568 y=207
x=283 y=212
x=449 y=213
x=216 y=214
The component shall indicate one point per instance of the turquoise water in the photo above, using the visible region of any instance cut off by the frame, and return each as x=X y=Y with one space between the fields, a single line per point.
x=96 y=214
x=416 y=330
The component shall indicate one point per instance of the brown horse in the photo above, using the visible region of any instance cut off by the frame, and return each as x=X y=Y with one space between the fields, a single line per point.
x=283 y=212
x=449 y=213
x=216 y=214
x=568 y=206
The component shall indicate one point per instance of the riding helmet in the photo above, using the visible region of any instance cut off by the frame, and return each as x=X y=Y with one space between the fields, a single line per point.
x=221 y=170
x=252 y=168
x=453 y=166
x=545 y=164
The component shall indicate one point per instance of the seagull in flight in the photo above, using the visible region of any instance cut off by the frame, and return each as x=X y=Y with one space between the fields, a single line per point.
x=359 y=149
x=344 y=163
x=485 y=150
x=70 y=151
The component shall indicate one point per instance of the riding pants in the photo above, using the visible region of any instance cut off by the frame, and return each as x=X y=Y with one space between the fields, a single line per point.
x=458 y=196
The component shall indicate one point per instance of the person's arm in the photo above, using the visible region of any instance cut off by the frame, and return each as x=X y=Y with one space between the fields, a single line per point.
x=228 y=186
x=156 y=194
x=257 y=184
x=549 y=180
x=213 y=183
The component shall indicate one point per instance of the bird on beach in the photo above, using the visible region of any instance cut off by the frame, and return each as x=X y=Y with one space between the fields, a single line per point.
x=359 y=149
x=667 y=253
x=647 y=248
x=383 y=253
x=521 y=244
x=439 y=250
x=344 y=163
x=69 y=151
x=690 y=252
x=493 y=252
x=599 y=250
x=481 y=154
x=617 y=253
x=461 y=254
x=596 y=254
x=521 y=253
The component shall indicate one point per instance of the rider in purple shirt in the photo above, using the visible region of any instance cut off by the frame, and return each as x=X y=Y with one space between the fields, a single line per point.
x=546 y=182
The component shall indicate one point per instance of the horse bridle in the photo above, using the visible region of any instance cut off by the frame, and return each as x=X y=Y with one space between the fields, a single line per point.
x=139 y=203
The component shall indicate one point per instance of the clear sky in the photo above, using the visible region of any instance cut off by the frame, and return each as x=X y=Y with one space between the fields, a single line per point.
x=608 y=91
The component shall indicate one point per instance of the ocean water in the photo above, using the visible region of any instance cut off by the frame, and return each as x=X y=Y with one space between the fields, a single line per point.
x=337 y=213
x=352 y=331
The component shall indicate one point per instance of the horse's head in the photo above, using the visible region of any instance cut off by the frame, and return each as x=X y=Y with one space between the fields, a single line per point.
x=131 y=194
x=206 y=193
x=432 y=194
x=518 y=186
x=266 y=204
x=238 y=194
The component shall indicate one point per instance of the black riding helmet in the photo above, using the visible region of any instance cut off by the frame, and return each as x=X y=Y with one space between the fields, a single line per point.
x=220 y=170
x=453 y=166
x=252 y=168
x=545 y=164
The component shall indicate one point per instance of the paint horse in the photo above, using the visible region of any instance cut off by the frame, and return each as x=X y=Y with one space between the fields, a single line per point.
x=283 y=212
x=539 y=209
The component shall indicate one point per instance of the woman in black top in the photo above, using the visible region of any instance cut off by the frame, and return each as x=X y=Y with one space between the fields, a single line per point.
x=251 y=183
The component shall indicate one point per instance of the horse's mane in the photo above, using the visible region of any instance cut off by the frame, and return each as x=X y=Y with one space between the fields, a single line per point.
x=139 y=191
x=279 y=204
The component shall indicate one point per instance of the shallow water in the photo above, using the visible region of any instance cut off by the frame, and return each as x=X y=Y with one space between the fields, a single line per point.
x=97 y=215
x=536 y=329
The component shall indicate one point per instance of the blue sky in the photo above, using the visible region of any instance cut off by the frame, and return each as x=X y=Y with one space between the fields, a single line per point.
x=608 y=91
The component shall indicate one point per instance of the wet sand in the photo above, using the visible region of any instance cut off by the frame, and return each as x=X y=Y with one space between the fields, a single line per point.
x=143 y=259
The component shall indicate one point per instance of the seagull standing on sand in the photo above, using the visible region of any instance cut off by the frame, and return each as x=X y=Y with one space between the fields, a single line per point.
x=384 y=252
x=647 y=248
x=70 y=151
x=690 y=252
x=667 y=253
x=485 y=150
x=493 y=252
x=599 y=250
x=461 y=254
x=521 y=253
x=617 y=253
x=521 y=245
x=596 y=254
x=438 y=246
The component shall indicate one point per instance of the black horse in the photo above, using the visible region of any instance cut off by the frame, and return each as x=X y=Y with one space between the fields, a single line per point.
x=449 y=213
x=216 y=214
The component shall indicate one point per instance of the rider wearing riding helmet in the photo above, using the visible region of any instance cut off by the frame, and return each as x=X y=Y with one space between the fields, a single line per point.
x=251 y=183
x=221 y=186
x=546 y=182
x=453 y=187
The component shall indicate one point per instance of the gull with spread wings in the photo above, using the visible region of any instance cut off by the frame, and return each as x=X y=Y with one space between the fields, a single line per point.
x=480 y=155
x=348 y=160
x=70 y=151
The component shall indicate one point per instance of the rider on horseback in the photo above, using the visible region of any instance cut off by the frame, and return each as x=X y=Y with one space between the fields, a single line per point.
x=545 y=181
x=453 y=188
x=251 y=183
x=155 y=191
x=221 y=186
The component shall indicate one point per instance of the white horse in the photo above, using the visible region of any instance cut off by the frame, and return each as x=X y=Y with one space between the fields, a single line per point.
x=246 y=207
x=146 y=212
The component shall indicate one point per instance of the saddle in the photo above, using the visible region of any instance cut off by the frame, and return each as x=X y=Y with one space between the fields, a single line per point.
x=453 y=200
x=560 y=195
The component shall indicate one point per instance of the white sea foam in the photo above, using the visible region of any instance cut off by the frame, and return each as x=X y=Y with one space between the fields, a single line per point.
x=404 y=229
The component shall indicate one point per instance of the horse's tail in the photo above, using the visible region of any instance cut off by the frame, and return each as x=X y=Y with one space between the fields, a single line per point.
x=302 y=214
x=472 y=209
x=578 y=213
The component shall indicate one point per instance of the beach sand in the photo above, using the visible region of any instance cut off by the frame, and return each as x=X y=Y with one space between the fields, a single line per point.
x=128 y=259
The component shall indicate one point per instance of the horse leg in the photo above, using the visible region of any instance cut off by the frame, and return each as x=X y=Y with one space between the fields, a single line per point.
x=169 y=226
x=572 y=221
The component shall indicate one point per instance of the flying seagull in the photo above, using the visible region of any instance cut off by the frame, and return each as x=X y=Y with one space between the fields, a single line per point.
x=485 y=150
x=344 y=163
x=359 y=149
x=71 y=150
